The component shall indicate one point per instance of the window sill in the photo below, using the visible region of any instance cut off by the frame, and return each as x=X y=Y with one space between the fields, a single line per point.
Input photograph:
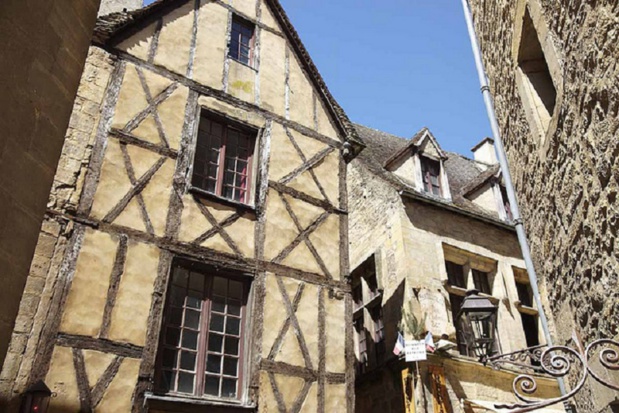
x=225 y=201
x=190 y=404
x=452 y=289
x=462 y=292
x=525 y=308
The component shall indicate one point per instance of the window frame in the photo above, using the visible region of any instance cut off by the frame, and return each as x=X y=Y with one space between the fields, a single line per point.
x=204 y=333
x=243 y=23
x=367 y=302
x=251 y=132
x=426 y=165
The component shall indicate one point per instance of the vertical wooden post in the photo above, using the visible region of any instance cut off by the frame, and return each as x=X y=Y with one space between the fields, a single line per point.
x=407 y=392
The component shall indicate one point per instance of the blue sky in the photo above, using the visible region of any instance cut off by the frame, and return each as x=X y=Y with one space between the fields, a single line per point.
x=397 y=65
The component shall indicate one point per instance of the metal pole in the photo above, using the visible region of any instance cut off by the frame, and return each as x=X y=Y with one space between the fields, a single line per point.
x=509 y=186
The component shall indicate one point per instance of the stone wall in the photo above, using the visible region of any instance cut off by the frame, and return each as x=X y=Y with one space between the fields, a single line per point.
x=567 y=177
x=410 y=240
x=111 y=6
x=43 y=50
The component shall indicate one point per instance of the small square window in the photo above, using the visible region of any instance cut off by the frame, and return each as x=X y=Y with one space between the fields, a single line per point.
x=431 y=175
x=200 y=353
x=223 y=159
x=241 y=45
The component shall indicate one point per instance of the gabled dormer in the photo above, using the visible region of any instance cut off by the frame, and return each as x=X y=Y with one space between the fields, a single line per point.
x=488 y=191
x=420 y=164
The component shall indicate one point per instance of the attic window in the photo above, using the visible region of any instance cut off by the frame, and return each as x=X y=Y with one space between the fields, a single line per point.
x=242 y=42
x=538 y=92
x=431 y=175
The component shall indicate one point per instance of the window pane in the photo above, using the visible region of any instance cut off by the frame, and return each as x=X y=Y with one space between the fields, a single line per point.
x=196 y=281
x=232 y=346
x=169 y=358
x=172 y=336
x=211 y=386
x=185 y=382
x=233 y=326
x=190 y=339
x=192 y=319
x=236 y=289
x=176 y=316
x=167 y=380
x=180 y=277
x=213 y=363
x=177 y=295
x=214 y=343
x=217 y=323
x=234 y=307
x=228 y=388
x=193 y=302
x=188 y=361
x=220 y=286
x=230 y=365
x=219 y=304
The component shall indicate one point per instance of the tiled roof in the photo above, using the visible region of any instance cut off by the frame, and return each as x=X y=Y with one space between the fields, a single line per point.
x=113 y=25
x=461 y=171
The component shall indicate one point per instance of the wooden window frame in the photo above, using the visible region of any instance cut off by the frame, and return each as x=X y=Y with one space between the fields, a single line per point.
x=454 y=279
x=367 y=297
x=227 y=124
x=481 y=281
x=205 y=332
x=427 y=165
x=243 y=23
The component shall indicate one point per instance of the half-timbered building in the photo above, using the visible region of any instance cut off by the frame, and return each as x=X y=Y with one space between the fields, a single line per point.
x=194 y=249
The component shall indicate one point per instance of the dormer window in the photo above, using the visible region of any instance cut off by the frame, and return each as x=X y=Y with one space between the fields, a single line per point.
x=506 y=206
x=431 y=175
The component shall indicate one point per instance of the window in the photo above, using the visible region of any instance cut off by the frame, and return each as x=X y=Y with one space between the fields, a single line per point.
x=241 y=46
x=223 y=159
x=368 y=317
x=455 y=274
x=201 y=350
x=538 y=92
x=525 y=295
x=480 y=280
x=506 y=206
x=466 y=271
x=531 y=333
x=430 y=173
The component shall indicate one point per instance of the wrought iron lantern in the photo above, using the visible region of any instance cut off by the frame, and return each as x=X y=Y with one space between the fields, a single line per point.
x=477 y=320
x=36 y=398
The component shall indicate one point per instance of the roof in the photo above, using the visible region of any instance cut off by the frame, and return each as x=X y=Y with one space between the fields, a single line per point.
x=461 y=171
x=110 y=28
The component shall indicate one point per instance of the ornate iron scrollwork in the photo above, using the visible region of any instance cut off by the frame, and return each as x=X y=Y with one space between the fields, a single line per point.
x=608 y=357
x=558 y=362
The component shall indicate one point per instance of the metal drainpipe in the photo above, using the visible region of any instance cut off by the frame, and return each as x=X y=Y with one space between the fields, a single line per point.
x=509 y=186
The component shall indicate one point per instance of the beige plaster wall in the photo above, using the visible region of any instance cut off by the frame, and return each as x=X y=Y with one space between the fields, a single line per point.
x=114 y=254
x=277 y=84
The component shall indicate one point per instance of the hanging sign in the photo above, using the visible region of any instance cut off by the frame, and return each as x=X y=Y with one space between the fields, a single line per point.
x=415 y=350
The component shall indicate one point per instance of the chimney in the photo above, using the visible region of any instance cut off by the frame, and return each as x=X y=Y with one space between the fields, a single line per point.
x=484 y=152
x=112 y=6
